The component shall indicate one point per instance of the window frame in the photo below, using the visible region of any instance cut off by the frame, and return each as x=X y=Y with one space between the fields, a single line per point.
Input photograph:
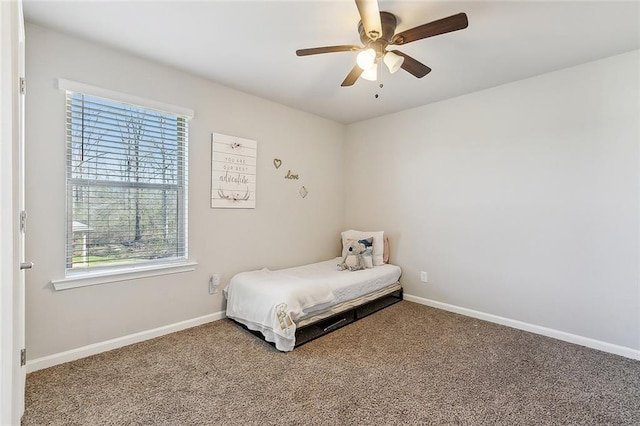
x=77 y=277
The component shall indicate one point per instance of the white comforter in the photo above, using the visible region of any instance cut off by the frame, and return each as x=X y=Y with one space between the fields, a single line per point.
x=272 y=301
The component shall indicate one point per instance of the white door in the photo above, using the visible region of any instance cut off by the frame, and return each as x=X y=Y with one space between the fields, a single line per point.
x=19 y=308
x=12 y=291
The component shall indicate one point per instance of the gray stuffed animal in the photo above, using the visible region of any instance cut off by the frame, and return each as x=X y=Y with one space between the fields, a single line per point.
x=354 y=259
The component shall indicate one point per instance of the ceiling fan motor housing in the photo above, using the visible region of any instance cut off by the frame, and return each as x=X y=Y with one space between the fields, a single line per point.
x=389 y=22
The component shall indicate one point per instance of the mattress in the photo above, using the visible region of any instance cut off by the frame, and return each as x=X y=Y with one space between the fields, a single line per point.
x=273 y=301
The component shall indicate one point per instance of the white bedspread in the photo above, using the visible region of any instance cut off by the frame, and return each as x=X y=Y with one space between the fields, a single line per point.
x=272 y=301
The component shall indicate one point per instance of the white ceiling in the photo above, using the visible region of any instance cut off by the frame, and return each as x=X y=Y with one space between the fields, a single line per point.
x=250 y=45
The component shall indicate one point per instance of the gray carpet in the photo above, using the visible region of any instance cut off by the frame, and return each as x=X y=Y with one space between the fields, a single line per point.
x=408 y=364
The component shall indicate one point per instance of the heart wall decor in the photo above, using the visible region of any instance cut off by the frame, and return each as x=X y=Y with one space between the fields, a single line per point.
x=277 y=162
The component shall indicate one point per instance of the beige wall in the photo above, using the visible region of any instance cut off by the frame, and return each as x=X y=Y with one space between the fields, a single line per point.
x=519 y=201
x=283 y=230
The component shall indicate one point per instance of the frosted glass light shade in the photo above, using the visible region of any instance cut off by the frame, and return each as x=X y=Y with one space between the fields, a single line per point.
x=393 y=61
x=366 y=58
x=370 y=73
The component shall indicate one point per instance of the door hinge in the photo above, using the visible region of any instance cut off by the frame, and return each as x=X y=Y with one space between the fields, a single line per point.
x=23 y=86
x=23 y=357
x=23 y=221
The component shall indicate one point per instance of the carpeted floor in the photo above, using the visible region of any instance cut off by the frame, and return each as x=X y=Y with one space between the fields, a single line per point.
x=408 y=364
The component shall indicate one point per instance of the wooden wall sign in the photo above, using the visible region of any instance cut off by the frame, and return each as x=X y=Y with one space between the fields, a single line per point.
x=233 y=172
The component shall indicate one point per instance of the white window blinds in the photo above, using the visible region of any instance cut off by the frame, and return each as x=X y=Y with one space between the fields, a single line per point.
x=126 y=184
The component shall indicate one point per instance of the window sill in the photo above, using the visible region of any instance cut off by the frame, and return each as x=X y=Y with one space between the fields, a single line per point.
x=111 y=276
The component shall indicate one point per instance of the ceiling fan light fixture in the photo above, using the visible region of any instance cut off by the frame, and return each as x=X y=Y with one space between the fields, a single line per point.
x=366 y=58
x=393 y=61
x=370 y=73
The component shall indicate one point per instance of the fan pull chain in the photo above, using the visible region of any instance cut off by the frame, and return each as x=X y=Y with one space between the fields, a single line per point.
x=380 y=73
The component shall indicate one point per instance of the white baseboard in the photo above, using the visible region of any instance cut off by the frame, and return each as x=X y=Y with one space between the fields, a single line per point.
x=544 y=331
x=96 y=348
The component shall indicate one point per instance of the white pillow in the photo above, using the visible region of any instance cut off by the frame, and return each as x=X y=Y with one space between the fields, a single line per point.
x=378 y=243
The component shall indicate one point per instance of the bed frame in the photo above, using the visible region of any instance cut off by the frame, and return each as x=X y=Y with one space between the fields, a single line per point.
x=326 y=325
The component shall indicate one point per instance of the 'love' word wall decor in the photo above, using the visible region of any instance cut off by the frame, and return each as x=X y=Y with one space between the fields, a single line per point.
x=233 y=172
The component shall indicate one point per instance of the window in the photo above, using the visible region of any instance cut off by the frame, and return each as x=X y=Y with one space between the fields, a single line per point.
x=126 y=184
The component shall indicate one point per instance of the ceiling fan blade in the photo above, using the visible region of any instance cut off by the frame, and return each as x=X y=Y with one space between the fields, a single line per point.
x=327 y=49
x=412 y=66
x=370 y=16
x=352 y=77
x=441 y=26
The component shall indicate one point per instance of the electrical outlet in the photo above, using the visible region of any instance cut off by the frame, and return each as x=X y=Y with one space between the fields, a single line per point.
x=214 y=282
x=423 y=276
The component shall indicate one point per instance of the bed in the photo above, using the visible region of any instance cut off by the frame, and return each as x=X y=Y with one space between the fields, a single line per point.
x=289 y=307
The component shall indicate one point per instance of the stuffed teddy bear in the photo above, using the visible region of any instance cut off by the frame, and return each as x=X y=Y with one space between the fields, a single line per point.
x=358 y=255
